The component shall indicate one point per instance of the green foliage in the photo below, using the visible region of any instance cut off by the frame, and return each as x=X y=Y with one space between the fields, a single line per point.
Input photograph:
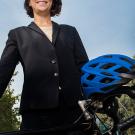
x=9 y=119
x=129 y=110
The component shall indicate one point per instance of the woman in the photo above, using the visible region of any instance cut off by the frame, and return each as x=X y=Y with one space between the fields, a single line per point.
x=51 y=56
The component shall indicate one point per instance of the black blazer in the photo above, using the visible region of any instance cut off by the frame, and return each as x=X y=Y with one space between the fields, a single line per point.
x=49 y=68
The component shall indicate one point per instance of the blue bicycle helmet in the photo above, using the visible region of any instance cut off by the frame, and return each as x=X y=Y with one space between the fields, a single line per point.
x=105 y=73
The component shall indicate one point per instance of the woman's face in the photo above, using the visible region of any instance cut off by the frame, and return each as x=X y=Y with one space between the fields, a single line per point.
x=41 y=6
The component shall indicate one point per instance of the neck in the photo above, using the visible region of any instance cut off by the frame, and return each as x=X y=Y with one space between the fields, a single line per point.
x=43 y=21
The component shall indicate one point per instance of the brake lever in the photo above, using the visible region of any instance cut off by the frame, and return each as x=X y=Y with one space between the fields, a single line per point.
x=83 y=105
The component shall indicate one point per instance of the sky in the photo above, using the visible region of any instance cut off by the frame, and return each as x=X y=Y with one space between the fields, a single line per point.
x=105 y=26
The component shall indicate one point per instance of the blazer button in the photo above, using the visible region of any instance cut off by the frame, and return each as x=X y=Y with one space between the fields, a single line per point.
x=59 y=88
x=53 y=61
x=56 y=74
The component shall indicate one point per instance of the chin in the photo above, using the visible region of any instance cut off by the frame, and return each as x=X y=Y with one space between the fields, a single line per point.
x=41 y=10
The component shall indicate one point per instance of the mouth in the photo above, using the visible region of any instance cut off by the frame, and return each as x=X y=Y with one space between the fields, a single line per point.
x=41 y=1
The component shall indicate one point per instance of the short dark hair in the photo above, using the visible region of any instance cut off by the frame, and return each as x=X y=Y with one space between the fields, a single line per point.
x=55 y=9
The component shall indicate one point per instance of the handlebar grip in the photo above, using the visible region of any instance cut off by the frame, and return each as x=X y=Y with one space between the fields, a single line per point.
x=126 y=124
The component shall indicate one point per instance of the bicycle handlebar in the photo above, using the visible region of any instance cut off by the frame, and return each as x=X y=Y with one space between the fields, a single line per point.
x=126 y=124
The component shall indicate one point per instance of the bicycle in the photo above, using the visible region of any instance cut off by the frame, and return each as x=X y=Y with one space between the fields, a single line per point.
x=107 y=104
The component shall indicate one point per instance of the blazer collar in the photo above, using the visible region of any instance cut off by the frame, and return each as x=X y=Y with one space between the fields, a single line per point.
x=55 y=28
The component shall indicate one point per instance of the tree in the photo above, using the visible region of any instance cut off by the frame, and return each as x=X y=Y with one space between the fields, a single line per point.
x=9 y=118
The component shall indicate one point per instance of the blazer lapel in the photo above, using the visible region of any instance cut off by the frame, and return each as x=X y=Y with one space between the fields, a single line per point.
x=34 y=27
x=55 y=28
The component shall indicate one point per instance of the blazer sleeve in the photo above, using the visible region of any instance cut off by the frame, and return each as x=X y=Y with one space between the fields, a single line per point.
x=8 y=61
x=79 y=51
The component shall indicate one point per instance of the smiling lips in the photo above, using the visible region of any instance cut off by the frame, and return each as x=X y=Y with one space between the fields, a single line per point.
x=41 y=1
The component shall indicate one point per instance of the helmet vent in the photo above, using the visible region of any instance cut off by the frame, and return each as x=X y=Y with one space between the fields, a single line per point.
x=91 y=77
x=107 y=66
x=106 y=80
x=125 y=59
x=106 y=73
x=109 y=88
x=93 y=65
x=108 y=56
x=122 y=70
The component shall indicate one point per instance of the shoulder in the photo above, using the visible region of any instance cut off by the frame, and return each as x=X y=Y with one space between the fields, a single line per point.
x=67 y=27
x=15 y=32
x=20 y=28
